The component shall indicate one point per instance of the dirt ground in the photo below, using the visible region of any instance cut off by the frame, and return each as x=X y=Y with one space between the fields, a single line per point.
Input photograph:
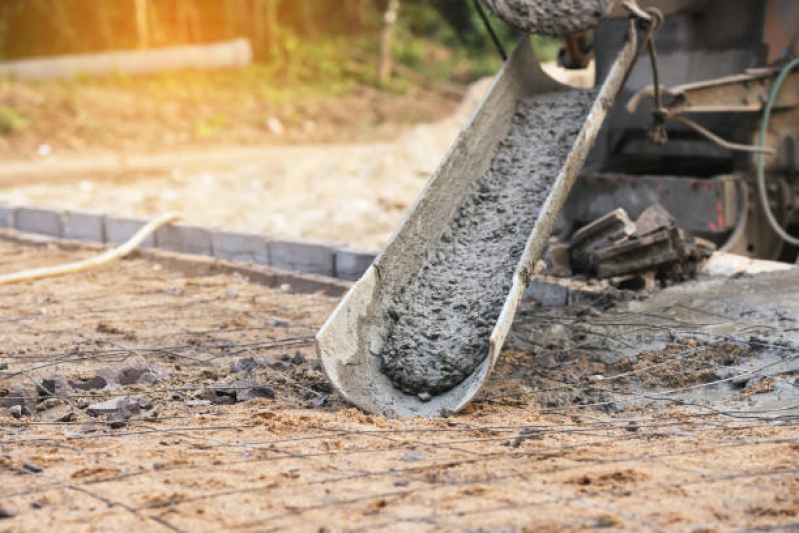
x=536 y=453
x=345 y=181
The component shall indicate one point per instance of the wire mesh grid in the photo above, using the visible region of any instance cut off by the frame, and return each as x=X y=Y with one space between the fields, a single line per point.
x=573 y=444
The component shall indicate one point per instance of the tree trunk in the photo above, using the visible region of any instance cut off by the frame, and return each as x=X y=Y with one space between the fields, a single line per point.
x=386 y=38
x=142 y=27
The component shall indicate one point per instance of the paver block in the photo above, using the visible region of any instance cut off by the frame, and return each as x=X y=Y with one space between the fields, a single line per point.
x=7 y=216
x=119 y=230
x=300 y=256
x=41 y=221
x=81 y=226
x=351 y=263
x=184 y=239
x=240 y=247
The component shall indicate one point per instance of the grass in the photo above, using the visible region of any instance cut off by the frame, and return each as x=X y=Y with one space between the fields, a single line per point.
x=10 y=120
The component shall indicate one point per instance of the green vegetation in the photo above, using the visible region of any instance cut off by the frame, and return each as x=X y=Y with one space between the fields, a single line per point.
x=302 y=48
x=10 y=120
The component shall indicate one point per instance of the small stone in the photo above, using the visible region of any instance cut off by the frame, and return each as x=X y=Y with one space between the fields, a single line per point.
x=3 y=366
x=30 y=466
x=298 y=359
x=277 y=322
x=93 y=383
x=37 y=504
x=402 y=483
x=15 y=411
x=116 y=408
x=55 y=385
x=248 y=389
x=117 y=423
x=6 y=513
x=424 y=396
x=59 y=413
x=197 y=403
x=413 y=456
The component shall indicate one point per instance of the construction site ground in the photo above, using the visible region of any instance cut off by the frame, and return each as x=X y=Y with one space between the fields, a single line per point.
x=675 y=412
x=343 y=169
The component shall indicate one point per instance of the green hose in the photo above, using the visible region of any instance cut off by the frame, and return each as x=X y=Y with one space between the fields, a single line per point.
x=761 y=172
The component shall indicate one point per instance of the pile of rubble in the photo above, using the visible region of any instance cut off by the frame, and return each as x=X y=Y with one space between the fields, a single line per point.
x=640 y=255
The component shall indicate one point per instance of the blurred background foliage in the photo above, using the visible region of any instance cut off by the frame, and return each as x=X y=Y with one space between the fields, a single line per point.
x=442 y=39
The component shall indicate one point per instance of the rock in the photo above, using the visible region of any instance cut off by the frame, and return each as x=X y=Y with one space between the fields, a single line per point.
x=133 y=371
x=59 y=413
x=413 y=456
x=117 y=408
x=247 y=389
x=3 y=366
x=277 y=322
x=93 y=383
x=110 y=375
x=298 y=359
x=22 y=394
x=32 y=467
x=6 y=513
x=425 y=396
x=246 y=364
x=15 y=411
x=56 y=385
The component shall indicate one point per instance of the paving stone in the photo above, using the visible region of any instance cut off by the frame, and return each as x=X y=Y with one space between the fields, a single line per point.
x=351 y=263
x=184 y=239
x=240 y=247
x=40 y=221
x=119 y=230
x=300 y=256
x=82 y=226
x=7 y=216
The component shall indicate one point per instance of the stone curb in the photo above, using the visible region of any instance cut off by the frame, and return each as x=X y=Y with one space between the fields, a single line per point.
x=286 y=254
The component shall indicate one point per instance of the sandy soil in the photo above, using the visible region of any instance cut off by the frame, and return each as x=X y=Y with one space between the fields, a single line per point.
x=304 y=461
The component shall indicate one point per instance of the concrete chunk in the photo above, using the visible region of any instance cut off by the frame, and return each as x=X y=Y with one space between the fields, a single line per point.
x=41 y=221
x=351 y=263
x=120 y=229
x=240 y=247
x=81 y=226
x=184 y=239
x=299 y=256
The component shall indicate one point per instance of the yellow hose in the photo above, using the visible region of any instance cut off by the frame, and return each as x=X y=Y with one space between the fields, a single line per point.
x=94 y=262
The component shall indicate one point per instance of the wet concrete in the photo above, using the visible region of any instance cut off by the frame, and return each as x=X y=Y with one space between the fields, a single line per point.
x=714 y=344
x=440 y=323
x=557 y=19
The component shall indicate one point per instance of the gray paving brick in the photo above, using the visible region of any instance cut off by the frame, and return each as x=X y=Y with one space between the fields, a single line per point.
x=82 y=226
x=184 y=239
x=240 y=246
x=119 y=229
x=41 y=221
x=7 y=216
x=300 y=256
x=351 y=263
